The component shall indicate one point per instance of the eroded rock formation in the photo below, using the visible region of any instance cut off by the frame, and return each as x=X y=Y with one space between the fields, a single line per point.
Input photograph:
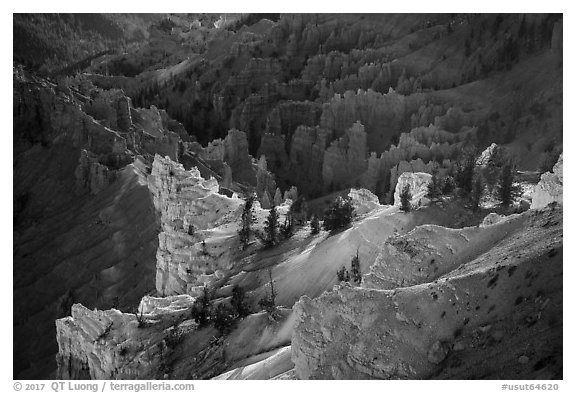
x=110 y=344
x=199 y=228
x=549 y=188
x=345 y=158
x=454 y=305
x=418 y=185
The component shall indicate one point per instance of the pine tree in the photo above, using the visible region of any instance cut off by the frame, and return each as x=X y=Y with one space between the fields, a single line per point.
x=343 y=275
x=339 y=214
x=405 y=198
x=269 y=302
x=247 y=218
x=506 y=189
x=223 y=318
x=465 y=174
x=355 y=269
x=287 y=228
x=448 y=185
x=201 y=309
x=314 y=225
x=270 y=237
x=238 y=301
x=434 y=185
x=477 y=191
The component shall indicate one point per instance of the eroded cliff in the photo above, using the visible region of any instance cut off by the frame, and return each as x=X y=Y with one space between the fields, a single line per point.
x=445 y=304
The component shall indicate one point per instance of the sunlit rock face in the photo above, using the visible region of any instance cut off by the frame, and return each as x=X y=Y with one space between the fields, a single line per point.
x=199 y=228
x=549 y=188
x=363 y=201
x=418 y=184
x=486 y=157
x=110 y=344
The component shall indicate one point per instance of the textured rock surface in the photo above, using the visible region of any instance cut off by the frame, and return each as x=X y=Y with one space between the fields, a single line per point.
x=418 y=183
x=306 y=158
x=486 y=156
x=492 y=218
x=345 y=158
x=549 y=188
x=91 y=176
x=446 y=328
x=381 y=114
x=287 y=116
x=363 y=201
x=95 y=344
x=110 y=344
x=233 y=150
x=199 y=228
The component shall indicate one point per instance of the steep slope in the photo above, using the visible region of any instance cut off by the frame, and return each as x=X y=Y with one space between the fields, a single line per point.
x=85 y=229
x=465 y=323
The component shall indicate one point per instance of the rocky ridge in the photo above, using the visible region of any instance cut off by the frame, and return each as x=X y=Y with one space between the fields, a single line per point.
x=549 y=188
x=198 y=225
x=449 y=309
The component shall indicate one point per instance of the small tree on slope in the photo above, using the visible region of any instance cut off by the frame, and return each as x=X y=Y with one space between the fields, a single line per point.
x=238 y=301
x=465 y=173
x=405 y=198
x=506 y=189
x=355 y=269
x=201 y=309
x=434 y=185
x=270 y=237
x=247 y=218
x=477 y=191
x=314 y=225
x=342 y=274
x=269 y=302
x=339 y=214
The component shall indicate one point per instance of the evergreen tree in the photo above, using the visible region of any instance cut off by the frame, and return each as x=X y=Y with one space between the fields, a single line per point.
x=269 y=302
x=247 y=218
x=405 y=198
x=506 y=190
x=339 y=214
x=223 y=318
x=238 y=302
x=448 y=185
x=434 y=185
x=343 y=275
x=287 y=228
x=201 y=309
x=465 y=173
x=355 y=269
x=314 y=225
x=270 y=237
x=477 y=192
